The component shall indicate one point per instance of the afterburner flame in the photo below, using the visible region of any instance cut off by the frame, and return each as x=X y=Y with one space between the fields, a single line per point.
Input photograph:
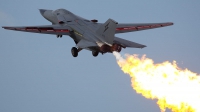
x=172 y=87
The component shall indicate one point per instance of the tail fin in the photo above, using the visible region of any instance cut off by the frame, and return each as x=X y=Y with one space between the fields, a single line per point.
x=107 y=31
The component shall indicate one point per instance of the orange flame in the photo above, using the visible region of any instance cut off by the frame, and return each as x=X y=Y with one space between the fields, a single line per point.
x=174 y=88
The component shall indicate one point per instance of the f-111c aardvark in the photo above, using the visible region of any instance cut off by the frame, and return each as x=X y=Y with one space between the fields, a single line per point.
x=88 y=34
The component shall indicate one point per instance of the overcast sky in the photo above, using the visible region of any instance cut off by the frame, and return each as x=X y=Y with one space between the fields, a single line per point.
x=39 y=74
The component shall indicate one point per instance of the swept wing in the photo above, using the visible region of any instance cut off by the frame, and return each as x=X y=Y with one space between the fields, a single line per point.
x=122 y=28
x=44 y=29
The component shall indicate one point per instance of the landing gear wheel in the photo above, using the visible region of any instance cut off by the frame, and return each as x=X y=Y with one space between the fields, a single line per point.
x=95 y=53
x=74 y=51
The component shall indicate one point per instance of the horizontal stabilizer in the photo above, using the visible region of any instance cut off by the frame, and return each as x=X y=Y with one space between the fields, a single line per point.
x=85 y=44
x=127 y=43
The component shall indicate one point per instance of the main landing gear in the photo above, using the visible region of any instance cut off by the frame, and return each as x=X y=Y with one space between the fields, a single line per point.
x=95 y=53
x=74 y=51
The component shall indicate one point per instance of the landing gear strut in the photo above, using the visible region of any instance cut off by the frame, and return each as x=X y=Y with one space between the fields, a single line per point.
x=74 y=51
x=59 y=36
x=95 y=53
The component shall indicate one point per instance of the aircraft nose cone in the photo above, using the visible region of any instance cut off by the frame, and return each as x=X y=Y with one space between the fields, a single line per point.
x=42 y=11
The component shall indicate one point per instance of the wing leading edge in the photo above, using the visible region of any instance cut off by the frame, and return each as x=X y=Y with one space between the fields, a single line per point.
x=122 y=28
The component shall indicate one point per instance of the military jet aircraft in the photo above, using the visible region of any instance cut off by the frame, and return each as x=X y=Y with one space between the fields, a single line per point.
x=88 y=34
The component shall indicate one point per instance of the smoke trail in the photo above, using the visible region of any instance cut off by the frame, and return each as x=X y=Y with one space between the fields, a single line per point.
x=174 y=88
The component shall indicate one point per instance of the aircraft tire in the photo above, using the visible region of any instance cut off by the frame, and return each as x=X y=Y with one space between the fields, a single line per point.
x=95 y=53
x=74 y=51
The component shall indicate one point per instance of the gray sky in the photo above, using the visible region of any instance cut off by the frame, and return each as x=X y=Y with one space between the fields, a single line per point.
x=38 y=73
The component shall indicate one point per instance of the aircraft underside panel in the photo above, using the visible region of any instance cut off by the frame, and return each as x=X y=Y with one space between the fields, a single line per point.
x=86 y=44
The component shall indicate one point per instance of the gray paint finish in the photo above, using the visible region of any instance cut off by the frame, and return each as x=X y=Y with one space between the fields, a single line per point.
x=90 y=35
x=38 y=73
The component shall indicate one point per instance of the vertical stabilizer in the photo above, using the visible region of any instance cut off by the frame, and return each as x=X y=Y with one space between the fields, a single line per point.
x=107 y=31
